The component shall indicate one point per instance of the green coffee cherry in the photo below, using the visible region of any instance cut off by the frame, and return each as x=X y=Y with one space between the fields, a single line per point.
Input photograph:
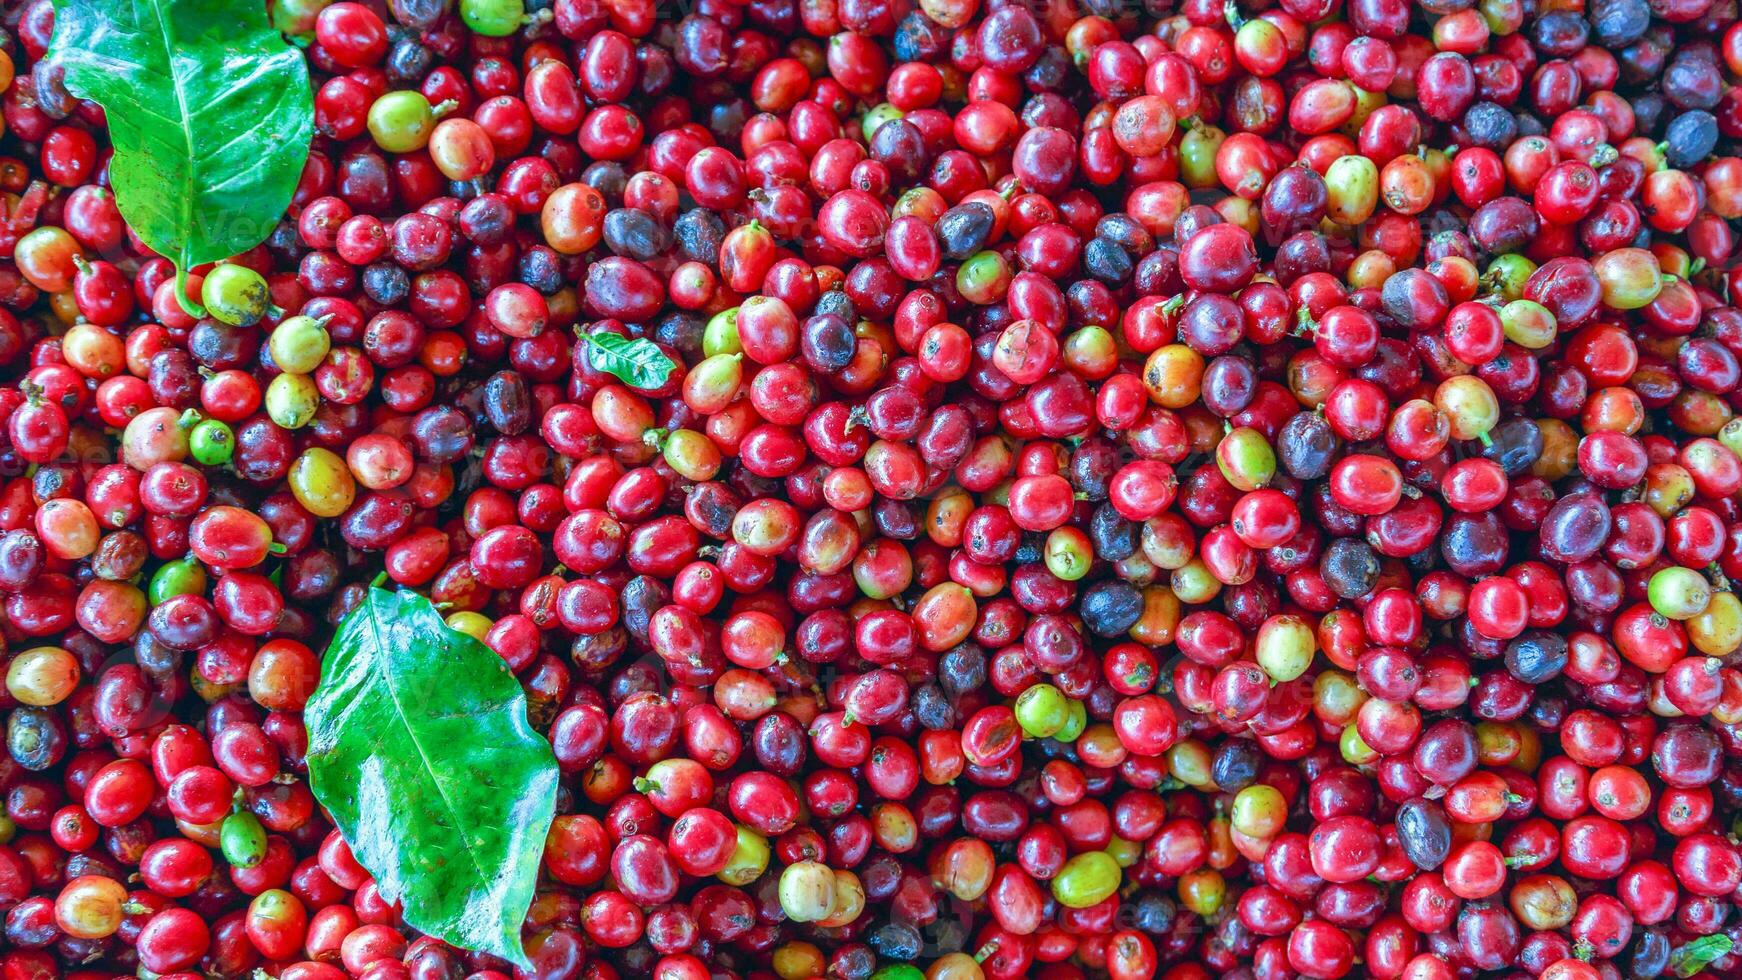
x=1068 y=553
x=1197 y=156
x=1042 y=710
x=749 y=859
x=1285 y=647
x=235 y=294
x=1245 y=458
x=211 y=443
x=242 y=839
x=299 y=344
x=1528 y=324
x=1076 y=719
x=1507 y=275
x=401 y=122
x=1354 y=748
x=1352 y=183
x=181 y=576
x=1087 y=879
x=879 y=114
x=1679 y=593
x=493 y=18
x=291 y=400
x=984 y=278
x=720 y=336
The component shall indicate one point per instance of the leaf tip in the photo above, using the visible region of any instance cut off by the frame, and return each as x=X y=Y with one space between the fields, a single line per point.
x=513 y=950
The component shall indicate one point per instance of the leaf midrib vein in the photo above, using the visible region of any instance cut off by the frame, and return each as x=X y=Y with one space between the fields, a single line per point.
x=181 y=100
x=393 y=694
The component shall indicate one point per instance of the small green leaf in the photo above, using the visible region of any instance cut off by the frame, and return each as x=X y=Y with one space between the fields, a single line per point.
x=420 y=749
x=209 y=110
x=1693 y=957
x=638 y=363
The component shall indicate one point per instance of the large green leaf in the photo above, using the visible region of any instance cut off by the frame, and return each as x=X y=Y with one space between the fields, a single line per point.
x=210 y=113
x=420 y=749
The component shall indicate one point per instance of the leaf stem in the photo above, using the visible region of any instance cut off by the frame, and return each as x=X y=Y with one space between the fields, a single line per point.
x=188 y=305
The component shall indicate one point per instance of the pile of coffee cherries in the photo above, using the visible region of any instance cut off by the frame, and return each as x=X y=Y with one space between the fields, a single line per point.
x=1174 y=489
